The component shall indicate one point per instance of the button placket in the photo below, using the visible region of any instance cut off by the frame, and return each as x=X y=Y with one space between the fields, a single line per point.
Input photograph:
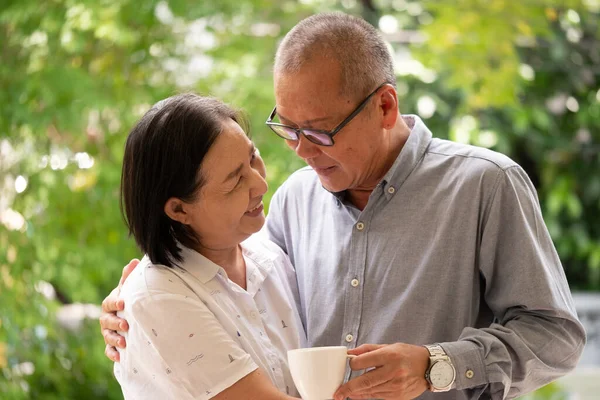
x=355 y=277
x=272 y=359
x=275 y=366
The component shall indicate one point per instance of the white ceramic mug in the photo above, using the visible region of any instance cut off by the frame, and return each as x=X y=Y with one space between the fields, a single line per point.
x=319 y=371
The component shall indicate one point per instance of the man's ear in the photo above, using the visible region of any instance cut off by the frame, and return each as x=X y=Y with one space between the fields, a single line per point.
x=389 y=106
x=176 y=211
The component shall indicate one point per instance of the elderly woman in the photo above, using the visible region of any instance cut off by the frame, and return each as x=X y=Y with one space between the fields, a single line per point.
x=211 y=307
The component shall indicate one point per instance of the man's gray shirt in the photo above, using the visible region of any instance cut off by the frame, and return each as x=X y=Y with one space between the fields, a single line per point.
x=451 y=249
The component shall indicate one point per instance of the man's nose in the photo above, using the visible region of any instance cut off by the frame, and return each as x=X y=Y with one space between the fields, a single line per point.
x=303 y=147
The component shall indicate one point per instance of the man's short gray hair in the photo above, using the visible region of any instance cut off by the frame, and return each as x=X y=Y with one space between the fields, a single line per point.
x=354 y=43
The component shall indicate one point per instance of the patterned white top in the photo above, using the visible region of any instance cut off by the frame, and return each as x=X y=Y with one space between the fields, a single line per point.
x=193 y=332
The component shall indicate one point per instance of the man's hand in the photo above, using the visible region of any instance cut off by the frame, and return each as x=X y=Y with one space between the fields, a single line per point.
x=109 y=322
x=399 y=372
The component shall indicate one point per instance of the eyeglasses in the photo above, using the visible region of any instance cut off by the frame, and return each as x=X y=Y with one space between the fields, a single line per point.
x=317 y=136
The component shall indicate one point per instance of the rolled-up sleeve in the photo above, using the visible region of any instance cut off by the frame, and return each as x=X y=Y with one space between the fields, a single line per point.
x=178 y=349
x=536 y=336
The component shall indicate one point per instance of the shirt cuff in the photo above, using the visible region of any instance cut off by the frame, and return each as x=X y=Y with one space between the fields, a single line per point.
x=467 y=360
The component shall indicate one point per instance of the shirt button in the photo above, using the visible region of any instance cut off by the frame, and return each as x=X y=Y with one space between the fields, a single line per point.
x=469 y=374
x=354 y=282
x=253 y=314
x=391 y=190
x=349 y=338
x=360 y=226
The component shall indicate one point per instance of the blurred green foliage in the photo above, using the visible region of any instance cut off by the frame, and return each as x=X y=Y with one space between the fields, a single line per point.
x=552 y=391
x=519 y=77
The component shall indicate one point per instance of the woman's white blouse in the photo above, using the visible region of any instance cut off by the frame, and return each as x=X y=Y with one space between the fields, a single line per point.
x=193 y=333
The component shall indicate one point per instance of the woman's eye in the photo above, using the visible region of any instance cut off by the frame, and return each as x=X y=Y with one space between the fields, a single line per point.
x=238 y=183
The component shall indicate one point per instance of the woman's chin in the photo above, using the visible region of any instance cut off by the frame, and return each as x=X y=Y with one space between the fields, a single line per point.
x=254 y=224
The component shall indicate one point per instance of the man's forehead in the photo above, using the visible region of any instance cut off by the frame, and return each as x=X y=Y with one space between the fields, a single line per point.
x=310 y=79
x=307 y=105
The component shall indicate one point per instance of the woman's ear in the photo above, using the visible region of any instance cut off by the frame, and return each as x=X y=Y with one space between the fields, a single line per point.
x=175 y=210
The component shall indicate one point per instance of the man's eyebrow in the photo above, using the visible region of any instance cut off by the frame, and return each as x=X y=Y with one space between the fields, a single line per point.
x=237 y=171
x=307 y=122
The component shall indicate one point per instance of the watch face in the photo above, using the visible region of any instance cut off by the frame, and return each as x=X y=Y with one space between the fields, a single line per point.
x=441 y=374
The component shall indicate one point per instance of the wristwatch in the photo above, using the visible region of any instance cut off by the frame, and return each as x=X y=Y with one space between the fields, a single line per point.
x=441 y=373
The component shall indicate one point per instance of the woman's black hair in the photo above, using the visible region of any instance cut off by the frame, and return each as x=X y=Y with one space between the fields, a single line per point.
x=163 y=156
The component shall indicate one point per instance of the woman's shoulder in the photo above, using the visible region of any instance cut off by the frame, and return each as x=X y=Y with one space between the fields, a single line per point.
x=150 y=279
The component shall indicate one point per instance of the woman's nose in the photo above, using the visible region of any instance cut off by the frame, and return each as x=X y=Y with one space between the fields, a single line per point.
x=259 y=183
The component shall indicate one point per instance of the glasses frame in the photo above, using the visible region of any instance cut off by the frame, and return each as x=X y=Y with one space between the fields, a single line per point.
x=330 y=134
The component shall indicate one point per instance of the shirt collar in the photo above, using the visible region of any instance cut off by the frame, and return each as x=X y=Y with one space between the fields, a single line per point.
x=204 y=269
x=259 y=261
x=413 y=150
x=198 y=265
x=411 y=154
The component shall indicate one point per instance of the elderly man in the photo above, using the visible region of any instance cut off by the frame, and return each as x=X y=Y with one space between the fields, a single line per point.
x=435 y=248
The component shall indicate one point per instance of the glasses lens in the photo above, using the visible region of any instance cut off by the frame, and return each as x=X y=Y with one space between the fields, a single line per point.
x=285 y=132
x=317 y=137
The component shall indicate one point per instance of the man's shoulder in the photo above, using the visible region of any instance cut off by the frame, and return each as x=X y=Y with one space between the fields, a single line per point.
x=301 y=177
x=259 y=243
x=466 y=154
x=300 y=182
